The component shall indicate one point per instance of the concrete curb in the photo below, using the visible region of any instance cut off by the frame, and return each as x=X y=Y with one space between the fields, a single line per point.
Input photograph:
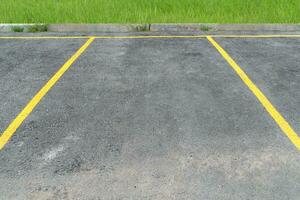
x=98 y=27
x=225 y=27
x=23 y=27
x=146 y=27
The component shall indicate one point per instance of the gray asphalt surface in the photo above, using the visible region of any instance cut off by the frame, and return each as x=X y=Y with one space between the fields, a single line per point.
x=150 y=119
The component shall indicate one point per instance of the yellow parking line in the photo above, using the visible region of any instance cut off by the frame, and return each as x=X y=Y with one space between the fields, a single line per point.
x=14 y=125
x=149 y=36
x=44 y=37
x=278 y=118
x=196 y=36
x=105 y=37
x=255 y=36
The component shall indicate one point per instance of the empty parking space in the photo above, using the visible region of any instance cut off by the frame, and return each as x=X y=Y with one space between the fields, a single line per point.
x=154 y=118
x=273 y=64
x=25 y=66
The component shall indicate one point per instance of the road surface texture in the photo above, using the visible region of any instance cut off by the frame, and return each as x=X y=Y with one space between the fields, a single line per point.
x=150 y=118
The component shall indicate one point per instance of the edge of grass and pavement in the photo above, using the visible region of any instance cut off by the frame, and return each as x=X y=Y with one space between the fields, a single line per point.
x=156 y=27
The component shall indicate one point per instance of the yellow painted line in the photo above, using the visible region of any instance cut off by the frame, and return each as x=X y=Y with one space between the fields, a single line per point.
x=104 y=37
x=44 y=37
x=278 y=118
x=196 y=36
x=14 y=125
x=255 y=36
x=149 y=36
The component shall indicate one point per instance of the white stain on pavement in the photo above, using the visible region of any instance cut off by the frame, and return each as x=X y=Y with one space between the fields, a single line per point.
x=53 y=153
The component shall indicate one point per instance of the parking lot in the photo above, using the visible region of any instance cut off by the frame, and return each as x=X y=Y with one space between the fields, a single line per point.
x=150 y=117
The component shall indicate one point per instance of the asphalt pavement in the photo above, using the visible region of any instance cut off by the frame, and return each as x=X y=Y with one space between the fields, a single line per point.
x=150 y=118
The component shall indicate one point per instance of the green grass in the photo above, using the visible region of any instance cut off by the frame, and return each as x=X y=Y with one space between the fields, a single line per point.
x=37 y=28
x=149 y=11
x=17 y=29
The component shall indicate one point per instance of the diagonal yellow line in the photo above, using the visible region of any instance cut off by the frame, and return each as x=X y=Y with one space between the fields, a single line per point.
x=14 y=125
x=278 y=118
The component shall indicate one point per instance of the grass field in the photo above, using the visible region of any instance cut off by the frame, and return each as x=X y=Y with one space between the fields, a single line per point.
x=149 y=11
